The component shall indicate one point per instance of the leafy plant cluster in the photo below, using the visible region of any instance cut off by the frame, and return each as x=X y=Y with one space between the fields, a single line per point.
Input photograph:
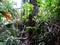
x=44 y=24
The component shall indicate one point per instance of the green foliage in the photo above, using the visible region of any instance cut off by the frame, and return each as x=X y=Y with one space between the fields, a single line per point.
x=27 y=7
x=47 y=9
x=11 y=42
x=8 y=42
x=13 y=32
x=6 y=5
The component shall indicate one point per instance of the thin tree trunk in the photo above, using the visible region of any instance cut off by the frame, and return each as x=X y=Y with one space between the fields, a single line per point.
x=35 y=8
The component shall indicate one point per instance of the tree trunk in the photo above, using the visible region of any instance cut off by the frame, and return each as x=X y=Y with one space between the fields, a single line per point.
x=35 y=8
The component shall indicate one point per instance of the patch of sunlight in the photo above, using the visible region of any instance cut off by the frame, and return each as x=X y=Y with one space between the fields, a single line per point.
x=17 y=3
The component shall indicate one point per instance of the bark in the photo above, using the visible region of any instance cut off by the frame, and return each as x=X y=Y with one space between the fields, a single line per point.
x=35 y=8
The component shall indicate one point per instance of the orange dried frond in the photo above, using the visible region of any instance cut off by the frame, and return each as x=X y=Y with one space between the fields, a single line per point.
x=6 y=14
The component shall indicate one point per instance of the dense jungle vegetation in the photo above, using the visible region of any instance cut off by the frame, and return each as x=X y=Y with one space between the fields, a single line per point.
x=37 y=22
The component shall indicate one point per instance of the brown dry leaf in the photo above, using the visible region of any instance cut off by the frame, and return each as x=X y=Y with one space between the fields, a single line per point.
x=7 y=15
